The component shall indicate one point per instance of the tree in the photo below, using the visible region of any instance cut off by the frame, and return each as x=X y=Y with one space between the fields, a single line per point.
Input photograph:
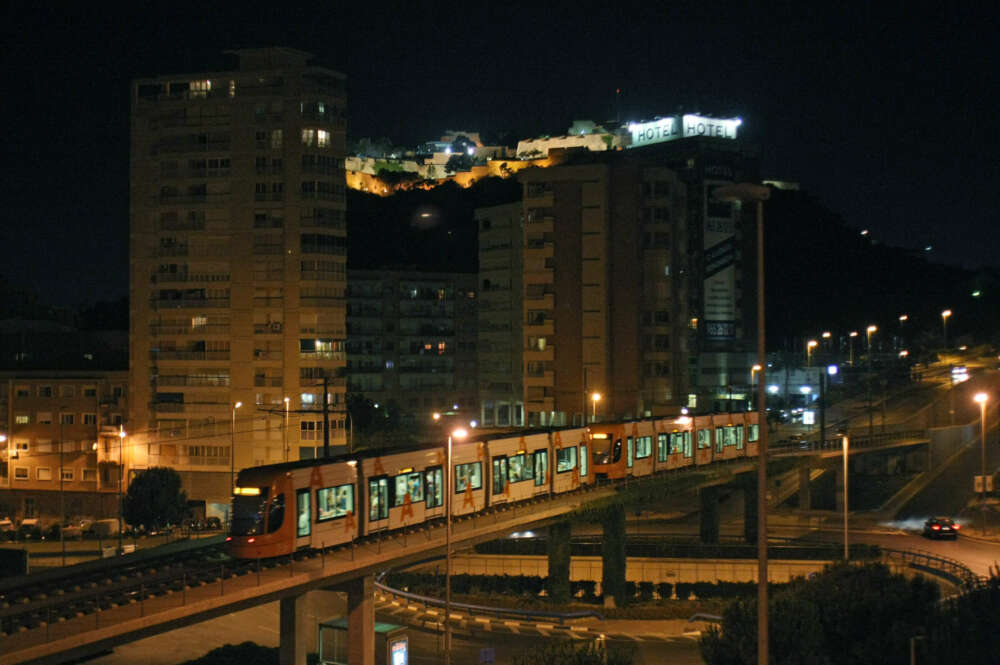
x=847 y=615
x=459 y=162
x=155 y=498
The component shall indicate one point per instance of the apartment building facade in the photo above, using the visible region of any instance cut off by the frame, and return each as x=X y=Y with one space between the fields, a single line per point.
x=62 y=452
x=412 y=340
x=501 y=315
x=238 y=253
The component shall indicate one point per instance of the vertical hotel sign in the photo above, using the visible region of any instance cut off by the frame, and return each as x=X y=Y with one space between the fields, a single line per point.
x=720 y=253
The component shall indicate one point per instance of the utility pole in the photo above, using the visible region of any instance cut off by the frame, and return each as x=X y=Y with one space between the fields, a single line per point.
x=326 y=416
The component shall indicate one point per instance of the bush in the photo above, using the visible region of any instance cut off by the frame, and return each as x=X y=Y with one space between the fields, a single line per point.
x=630 y=590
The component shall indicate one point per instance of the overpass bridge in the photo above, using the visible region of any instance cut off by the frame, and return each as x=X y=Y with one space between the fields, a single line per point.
x=98 y=619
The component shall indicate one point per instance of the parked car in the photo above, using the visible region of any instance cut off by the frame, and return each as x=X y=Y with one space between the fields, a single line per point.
x=7 y=529
x=941 y=527
x=29 y=529
x=213 y=523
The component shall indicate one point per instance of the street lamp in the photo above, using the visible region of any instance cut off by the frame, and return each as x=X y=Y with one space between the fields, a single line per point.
x=121 y=473
x=982 y=398
x=871 y=414
x=758 y=194
x=810 y=345
x=454 y=434
x=944 y=326
x=753 y=370
x=287 y=400
x=851 y=335
x=232 y=446
x=594 y=399
x=847 y=554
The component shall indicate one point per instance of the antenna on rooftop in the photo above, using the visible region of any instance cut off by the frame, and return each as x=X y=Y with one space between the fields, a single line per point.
x=618 y=108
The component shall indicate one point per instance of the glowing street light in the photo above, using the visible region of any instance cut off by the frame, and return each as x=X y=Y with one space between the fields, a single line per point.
x=850 y=336
x=981 y=399
x=810 y=345
x=449 y=492
x=870 y=330
x=287 y=400
x=232 y=446
x=594 y=399
x=945 y=315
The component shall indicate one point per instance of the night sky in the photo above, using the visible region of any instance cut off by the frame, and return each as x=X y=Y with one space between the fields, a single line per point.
x=887 y=114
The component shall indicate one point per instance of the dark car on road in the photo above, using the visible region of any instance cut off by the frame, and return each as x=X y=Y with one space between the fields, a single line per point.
x=941 y=527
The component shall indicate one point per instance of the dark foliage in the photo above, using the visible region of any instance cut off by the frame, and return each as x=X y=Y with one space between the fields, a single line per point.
x=246 y=653
x=565 y=652
x=155 y=498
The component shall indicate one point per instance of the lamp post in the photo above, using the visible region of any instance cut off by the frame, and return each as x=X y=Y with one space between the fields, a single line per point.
x=944 y=326
x=810 y=345
x=62 y=491
x=850 y=336
x=753 y=370
x=847 y=554
x=232 y=447
x=871 y=414
x=285 y=442
x=449 y=492
x=121 y=473
x=758 y=194
x=4 y=439
x=982 y=398
x=594 y=399
x=903 y=318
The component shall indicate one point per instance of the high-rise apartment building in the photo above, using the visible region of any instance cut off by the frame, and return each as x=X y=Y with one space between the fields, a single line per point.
x=238 y=252
x=412 y=340
x=501 y=300
x=604 y=330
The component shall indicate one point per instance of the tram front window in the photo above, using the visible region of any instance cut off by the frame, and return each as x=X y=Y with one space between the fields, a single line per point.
x=601 y=450
x=248 y=513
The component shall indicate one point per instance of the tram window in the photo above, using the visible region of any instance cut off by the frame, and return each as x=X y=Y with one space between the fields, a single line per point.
x=520 y=468
x=631 y=452
x=499 y=475
x=276 y=514
x=408 y=485
x=584 y=460
x=468 y=475
x=720 y=439
x=753 y=433
x=305 y=519
x=643 y=447
x=739 y=436
x=541 y=467
x=616 y=451
x=378 y=499
x=676 y=442
x=565 y=459
x=704 y=439
x=661 y=447
x=334 y=502
x=248 y=513
x=433 y=480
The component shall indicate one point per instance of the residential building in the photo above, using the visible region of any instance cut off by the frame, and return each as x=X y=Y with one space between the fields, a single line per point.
x=411 y=339
x=61 y=451
x=501 y=304
x=238 y=247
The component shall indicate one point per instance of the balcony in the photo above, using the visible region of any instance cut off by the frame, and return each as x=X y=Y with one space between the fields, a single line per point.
x=272 y=328
x=207 y=329
x=188 y=355
x=322 y=355
x=194 y=303
x=264 y=381
x=261 y=354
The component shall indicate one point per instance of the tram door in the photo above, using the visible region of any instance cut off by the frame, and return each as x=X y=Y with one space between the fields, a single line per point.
x=500 y=478
x=630 y=452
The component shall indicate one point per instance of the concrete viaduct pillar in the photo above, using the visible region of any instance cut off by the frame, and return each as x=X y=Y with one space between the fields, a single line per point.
x=805 y=496
x=294 y=629
x=361 y=621
x=709 y=529
x=613 y=557
x=750 y=510
x=560 y=550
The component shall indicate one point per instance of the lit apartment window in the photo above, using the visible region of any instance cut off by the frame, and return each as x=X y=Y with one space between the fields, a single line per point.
x=67 y=474
x=322 y=138
x=276 y=139
x=308 y=137
x=20 y=473
x=22 y=419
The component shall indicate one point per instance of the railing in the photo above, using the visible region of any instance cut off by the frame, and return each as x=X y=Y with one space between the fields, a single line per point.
x=955 y=571
x=854 y=440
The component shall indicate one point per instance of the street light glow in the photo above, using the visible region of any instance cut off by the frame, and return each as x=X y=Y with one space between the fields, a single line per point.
x=981 y=398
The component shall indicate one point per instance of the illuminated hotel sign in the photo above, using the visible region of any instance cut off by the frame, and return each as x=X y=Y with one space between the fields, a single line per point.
x=669 y=129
